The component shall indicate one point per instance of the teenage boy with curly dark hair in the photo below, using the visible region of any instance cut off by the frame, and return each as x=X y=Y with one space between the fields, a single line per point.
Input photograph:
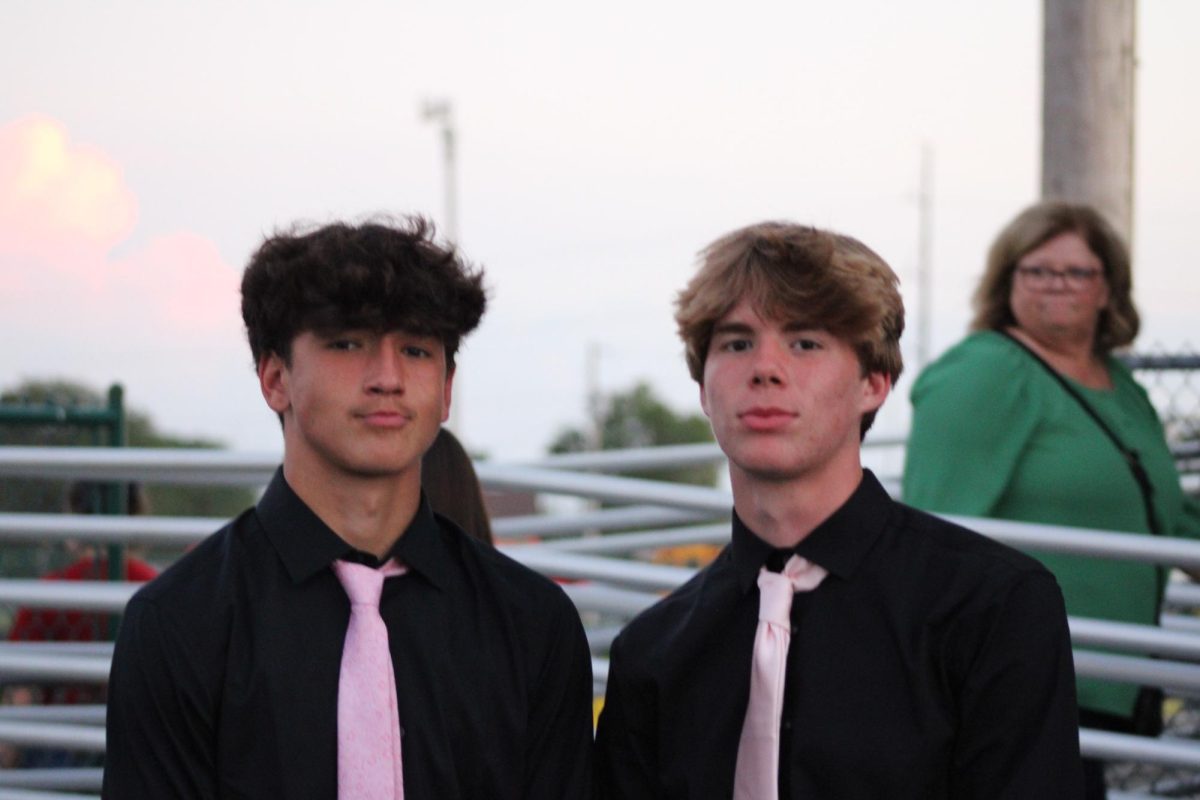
x=236 y=672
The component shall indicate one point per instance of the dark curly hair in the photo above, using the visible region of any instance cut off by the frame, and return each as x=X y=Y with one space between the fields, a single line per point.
x=381 y=275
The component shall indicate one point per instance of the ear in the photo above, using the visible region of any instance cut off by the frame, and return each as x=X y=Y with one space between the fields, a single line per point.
x=273 y=379
x=447 y=392
x=704 y=401
x=876 y=386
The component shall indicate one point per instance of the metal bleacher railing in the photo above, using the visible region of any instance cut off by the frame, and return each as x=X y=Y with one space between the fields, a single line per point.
x=606 y=576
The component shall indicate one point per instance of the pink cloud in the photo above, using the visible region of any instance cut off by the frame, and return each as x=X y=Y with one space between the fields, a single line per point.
x=63 y=207
x=180 y=282
x=62 y=203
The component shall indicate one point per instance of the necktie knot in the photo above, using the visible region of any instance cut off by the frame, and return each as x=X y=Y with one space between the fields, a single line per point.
x=803 y=574
x=776 y=588
x=363 y=584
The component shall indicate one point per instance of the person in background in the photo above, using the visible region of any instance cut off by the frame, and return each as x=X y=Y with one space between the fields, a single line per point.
x=71 y=625
x=328 y=642
x=843 y=645
x=452 y=487
x=1031 y=418
x=68 y=625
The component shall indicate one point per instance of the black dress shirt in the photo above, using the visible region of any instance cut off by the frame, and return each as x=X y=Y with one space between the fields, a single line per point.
x=931 y=663
x=225 y=677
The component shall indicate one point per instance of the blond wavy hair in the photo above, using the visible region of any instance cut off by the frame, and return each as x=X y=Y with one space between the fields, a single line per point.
x=804 y=276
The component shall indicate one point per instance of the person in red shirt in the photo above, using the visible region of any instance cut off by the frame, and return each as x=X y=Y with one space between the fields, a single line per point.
x=70 y=625
x=73 y=625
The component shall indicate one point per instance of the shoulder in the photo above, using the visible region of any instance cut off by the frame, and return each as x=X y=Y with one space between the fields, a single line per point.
x=671 y=625
x=510 y=583
x=185 y=615
x=982 y=393
x=984 y=372
x=1127 y=385
x=984 y=358
x=982 y=603
x=951 y=555
x=196 y=587
x=979 y=350
x=528 y=617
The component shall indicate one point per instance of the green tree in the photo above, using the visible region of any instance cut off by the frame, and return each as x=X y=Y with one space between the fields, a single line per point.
x=50 y=496
x=638 y=418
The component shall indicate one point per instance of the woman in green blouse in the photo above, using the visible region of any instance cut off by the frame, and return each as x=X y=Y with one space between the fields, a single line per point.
x=995 y=433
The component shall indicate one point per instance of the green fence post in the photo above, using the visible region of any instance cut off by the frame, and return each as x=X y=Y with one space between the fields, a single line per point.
x=118 y=493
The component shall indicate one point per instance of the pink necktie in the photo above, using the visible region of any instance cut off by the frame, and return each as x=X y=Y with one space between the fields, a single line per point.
x=757 y=774
x=369 y=766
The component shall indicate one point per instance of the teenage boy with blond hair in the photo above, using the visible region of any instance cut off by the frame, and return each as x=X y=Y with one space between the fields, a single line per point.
x=842 y=645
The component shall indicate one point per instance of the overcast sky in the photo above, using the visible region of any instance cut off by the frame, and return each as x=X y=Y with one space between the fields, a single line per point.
x=146 y=148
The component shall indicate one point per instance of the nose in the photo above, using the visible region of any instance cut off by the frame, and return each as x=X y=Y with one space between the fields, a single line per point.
x=1057 y=279
x=767 y=367
x=385 y=368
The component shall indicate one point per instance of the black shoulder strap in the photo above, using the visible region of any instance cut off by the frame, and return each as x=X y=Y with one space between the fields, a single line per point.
x=1132 y=459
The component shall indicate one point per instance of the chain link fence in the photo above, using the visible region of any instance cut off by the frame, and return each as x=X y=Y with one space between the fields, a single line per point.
x=1171 y=376
x=1173 y=381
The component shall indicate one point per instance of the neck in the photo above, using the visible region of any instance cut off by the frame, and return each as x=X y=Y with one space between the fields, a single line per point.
x=1072 y=356
x=784 y=513
x=368 y=513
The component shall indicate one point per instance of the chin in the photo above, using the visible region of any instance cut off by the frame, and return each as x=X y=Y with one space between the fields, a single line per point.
x=777 y=475
x=769 y=470
x=378 y=467
x=375 y=473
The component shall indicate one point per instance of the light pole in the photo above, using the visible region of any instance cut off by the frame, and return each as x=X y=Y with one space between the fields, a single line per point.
x=441 y=113
x=925 y=256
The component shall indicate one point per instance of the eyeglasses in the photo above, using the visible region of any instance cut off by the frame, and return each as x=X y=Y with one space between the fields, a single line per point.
x=1039 y=277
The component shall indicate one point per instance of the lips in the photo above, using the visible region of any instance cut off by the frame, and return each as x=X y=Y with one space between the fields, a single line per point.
x=385 y=418
x=766 y=418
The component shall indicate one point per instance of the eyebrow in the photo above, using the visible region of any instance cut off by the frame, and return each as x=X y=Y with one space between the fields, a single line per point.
x=334 y=333
x=746 y=328
x=731 y=327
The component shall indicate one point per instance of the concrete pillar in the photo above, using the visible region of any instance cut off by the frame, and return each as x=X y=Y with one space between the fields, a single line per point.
x=1088 y=104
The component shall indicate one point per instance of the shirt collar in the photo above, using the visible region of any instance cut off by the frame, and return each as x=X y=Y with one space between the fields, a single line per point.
x=306 y=545
x=838 y=544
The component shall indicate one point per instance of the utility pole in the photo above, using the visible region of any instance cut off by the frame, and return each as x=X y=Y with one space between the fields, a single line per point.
x=1087 y=105
x=595 y=401
x=441 y=113
x=925 y=256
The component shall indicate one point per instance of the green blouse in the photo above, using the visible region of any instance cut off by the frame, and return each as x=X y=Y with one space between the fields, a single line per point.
x=994 y=435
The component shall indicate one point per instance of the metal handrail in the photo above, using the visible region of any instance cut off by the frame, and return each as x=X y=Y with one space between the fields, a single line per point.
x=89 y=714
x=613 y=587
x=34 y=794
x=1025 y=535
x=1122 y=746
x=601 y=519
x=43 y=667
x=145 y=464
x=78 y=778
x=87 y=738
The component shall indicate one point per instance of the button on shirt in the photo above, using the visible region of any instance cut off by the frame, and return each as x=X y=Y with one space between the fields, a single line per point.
x=224 y=680
x=931 y=663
